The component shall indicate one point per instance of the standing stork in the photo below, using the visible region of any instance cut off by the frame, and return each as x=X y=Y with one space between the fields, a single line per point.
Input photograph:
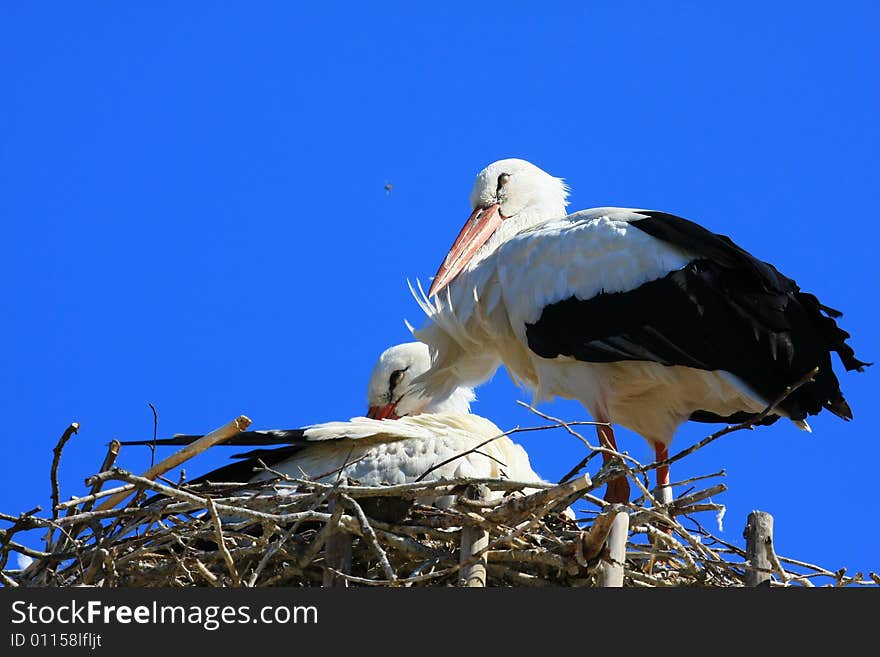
x=647 y=319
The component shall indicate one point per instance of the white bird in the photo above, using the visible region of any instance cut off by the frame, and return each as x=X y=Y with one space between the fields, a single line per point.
x=416 y=437
x=647 y=319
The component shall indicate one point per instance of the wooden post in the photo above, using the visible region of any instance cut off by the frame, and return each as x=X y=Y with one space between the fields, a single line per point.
x=611 y=572
x=663 y=494
x=473 y=541
x=337 y=554
x=759 y=545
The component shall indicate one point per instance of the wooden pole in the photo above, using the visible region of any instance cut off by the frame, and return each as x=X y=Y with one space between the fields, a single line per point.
x=611 y=572
x=759 y=546
x=474 y=540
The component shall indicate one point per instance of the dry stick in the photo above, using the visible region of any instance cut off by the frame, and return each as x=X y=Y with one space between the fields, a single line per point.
x=56 y=460
x=580 y=466
x=593 y=539
x=462 y=455
x=699 y=496
x=474 y=541
x=690 y=480
x=537 y=556
x=759 y=540
x=507 y=538
x=155 y=434
x=8 y=581
x=241 y=423
x=777 y=566
x=560 y=424
x=221 y=543
x=696 y=508
x=517 y=577
x=597 y=448
x=337 y=550
x=106 y=464
x=88 y=500
x=420 y=489
x=682 y=505
x=658 y=536
x=707 y=554
x=272 y=549
x=518 y=507
x=318 y=542
x=207 y=574
x=96 y=566
x=370 y=536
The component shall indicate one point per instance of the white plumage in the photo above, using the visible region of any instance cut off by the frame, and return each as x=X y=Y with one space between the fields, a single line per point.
x=392 y=450
x=387 y=452
x=647 y=319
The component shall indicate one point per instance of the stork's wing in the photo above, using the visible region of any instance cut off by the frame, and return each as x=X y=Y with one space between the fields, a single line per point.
x=362 y=430
x=612 y=284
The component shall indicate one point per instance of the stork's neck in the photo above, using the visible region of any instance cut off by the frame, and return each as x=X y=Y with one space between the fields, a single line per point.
x=457 y=402
x=536 y=213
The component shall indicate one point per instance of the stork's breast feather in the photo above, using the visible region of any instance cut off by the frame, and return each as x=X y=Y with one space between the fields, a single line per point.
x=580 y=256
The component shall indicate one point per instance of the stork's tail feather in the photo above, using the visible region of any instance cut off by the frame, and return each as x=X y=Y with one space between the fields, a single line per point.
x=834 y=337
x=840 y=408
x=818 y=332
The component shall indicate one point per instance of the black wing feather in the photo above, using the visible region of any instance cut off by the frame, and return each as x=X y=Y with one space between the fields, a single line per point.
x=241 y=439
x=725 y=310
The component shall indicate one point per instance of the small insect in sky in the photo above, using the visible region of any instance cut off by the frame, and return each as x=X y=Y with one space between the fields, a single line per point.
x=388 y=187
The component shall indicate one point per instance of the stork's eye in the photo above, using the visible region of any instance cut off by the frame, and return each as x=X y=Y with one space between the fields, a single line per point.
x=395 y=378
x=503 y=179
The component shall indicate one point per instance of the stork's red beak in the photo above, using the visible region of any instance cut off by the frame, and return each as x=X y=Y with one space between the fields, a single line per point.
x=383 y=412
x=479 y=227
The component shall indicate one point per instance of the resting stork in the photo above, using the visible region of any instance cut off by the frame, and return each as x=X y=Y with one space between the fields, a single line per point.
x=647 y=319
x=406 y=435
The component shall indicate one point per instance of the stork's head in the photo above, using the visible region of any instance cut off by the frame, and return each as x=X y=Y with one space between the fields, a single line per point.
x=391 y=393
x=508 y=195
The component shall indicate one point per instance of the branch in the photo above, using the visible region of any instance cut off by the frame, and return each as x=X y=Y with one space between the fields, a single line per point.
x=217 y=436
x=56 y=460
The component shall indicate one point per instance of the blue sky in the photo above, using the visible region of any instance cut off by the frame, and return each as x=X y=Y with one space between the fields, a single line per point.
x=193 y=206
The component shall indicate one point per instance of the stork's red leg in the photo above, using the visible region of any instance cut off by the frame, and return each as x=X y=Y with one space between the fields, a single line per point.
x=663 y=492
x=617 y=490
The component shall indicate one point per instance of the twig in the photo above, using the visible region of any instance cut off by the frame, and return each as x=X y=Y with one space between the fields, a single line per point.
x=221 y=543
x=518 y=507
x=213 y=580
x=155 y=434
x=56 y=460
x=370 y=535
x=462 y=455
x=217 y=436
x=593 y=539
x=337 y=550
x=580 y=466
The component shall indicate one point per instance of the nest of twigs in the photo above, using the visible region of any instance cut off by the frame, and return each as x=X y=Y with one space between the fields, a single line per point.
x=284 y=532
x=265 y=535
